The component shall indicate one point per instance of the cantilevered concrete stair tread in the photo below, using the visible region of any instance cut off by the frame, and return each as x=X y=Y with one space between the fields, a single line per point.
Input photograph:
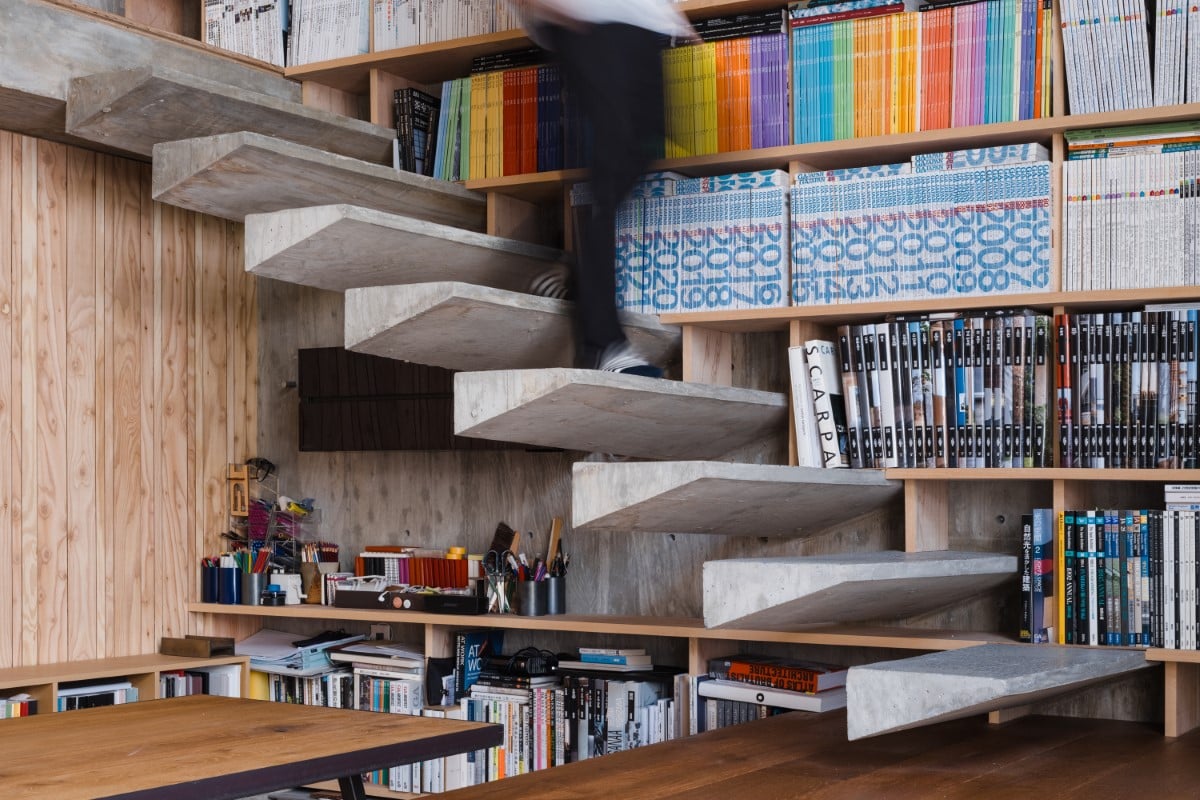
x=609 y=412
x=232 y=175
x=788 y=593
x=720 y=497
x=341 y=247
x=135 y=109
x=907 y=693
x=465 y=327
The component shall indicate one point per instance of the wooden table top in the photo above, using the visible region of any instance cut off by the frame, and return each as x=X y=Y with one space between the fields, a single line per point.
x=212 y=748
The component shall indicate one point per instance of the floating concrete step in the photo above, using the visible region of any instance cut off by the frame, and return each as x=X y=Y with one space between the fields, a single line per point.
x=347 y=247
x=461 y=326
x=44 y=44
x=722 y=498
x=135 y=109
x=895 y=695
x=786 y=593
x=232 y=175
x=579 y=409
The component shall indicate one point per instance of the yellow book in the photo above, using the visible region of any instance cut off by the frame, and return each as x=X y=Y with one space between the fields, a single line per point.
x=494 y=166
x=707 y=100
x=673 y=90
x=895 y=55
x=478 y=130
x=260 y=685
x=1060 y=579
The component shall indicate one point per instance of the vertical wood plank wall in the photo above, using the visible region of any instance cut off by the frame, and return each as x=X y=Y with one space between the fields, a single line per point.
x=128 y=365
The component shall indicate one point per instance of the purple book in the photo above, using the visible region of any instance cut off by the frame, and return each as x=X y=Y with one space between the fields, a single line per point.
x=756 y=92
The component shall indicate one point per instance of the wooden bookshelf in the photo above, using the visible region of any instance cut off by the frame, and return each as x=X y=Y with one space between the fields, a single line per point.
x=929 y=494
x=143 y=671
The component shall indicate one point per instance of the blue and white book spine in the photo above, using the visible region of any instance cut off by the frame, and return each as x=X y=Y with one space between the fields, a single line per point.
x=854 y=173
x=798 y=12
x=737 y=180
x=1000 y=155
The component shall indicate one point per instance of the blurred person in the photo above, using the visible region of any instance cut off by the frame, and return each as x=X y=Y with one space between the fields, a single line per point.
x=610 y=52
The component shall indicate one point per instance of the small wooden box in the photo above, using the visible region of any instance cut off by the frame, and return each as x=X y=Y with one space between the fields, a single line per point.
x=196 y=646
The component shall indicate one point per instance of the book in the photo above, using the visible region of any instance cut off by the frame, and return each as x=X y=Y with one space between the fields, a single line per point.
x=471 y=649
x=808 y=438
x=566 y=663
x=378 y=652
x=795 y=675
x=827 y=700
x=829 y=408
x=621 y=659
x=614 y=651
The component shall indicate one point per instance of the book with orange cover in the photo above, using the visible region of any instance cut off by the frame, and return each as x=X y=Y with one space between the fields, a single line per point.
x=791 y=675
x=740 y=140
x=528 y=82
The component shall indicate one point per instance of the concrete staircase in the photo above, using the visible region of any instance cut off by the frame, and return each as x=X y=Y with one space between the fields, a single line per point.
x=135 y=109
x=462 y=326
x=424 y=283
x=894 y=695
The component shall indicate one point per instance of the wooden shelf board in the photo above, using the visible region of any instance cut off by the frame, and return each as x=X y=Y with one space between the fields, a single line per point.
x=106 y=668
x=1049 y=474
x=669 y=627
x=1173 y=656
x=767 y=319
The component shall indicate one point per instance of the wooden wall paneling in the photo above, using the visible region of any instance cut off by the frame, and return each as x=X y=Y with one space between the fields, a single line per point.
x=103 y=514
x=174 y=266
x=130 y=479
x=10 y=597
x=334 y=100
x=148 y=516
x=81 y=586
x=28 y=585
x=241 y=376
x=212 y=397
x=707 y=356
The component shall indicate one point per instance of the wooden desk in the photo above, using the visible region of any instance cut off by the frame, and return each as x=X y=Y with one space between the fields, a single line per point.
x=215 y=748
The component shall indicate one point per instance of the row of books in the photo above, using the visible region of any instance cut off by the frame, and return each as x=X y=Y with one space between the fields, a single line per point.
x=899 y=233
x=968 y=392
x=702 y=244
x=881 y=67
x=1132 y=207
x=1126 y=388
x=254 y=29
x=323 y=30
x=19 y=705
x=222 y=681
x=1124 y=54
x=726 y=95
x=94 y=695
x=405 y=23
x=1112 y=577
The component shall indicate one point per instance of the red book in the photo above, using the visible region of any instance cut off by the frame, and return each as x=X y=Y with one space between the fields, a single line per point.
x=512 y=123
x=779 y=673
x=529 y=119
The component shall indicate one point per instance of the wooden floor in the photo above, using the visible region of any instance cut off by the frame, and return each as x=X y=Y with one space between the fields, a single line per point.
x=805 y=756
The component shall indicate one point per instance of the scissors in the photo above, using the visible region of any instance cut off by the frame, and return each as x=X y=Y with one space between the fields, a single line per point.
x=501 y=574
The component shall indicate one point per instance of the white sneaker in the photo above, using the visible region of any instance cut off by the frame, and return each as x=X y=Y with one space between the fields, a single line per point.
x=554 y=283
x=621 y=357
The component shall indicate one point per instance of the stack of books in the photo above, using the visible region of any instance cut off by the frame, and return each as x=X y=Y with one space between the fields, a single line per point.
x=608 y=659
x=741 y=688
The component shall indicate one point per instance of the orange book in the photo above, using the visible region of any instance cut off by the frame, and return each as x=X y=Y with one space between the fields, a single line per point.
x=740 y=137
x=529 y=119
x=724 y=95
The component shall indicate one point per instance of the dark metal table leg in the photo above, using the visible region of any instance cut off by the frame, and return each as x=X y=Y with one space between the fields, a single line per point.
x=352 y=787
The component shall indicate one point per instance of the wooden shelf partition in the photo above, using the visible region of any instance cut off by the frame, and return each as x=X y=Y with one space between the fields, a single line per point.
x=143 y=671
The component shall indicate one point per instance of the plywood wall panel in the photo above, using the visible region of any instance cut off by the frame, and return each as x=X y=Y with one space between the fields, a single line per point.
x=106 y=490
x=27 y=468
x=82 y=589
x=9 y=485
x=174 y=268
x=51 y=456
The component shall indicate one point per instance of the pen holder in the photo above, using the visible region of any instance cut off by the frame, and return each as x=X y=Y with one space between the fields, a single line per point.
x=210 y=579
x=229 y=586
x=531 y=598
x=556 y=595
x=253 y=584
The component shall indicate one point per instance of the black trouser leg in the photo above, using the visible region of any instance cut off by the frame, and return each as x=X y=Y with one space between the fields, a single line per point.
x=616 y=74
